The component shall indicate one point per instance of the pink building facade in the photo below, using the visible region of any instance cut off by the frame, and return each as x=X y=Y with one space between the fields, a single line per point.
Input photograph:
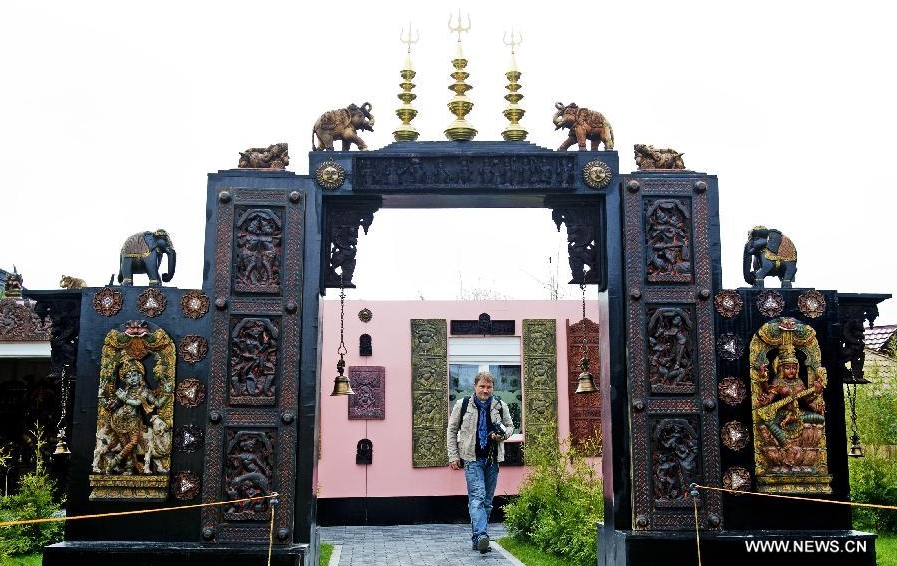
x=394 y=488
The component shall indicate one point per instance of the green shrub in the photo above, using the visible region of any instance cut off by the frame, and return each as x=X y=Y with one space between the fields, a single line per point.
x=874 y=480
x=560 y=500
x=33 y=501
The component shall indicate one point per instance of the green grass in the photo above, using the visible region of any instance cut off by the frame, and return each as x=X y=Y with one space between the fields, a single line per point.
x=22 y=560
x=324 y=553
x=886 y=549
x=530 y=555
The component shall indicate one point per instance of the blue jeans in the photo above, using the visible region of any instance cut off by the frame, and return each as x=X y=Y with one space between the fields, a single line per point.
x=481 y=476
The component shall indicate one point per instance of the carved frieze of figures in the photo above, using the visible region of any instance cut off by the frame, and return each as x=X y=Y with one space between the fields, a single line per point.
x=134 y=415
x=507 y=171
x=648 y=157
x=668 y=234
x=258 y=250
x=787 y=384
x=671 y=347
x=249 y=473
x=674 y=449
x=275 y=156
x=253 y=365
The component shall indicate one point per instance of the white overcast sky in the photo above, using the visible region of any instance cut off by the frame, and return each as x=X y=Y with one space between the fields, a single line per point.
x=112 y=114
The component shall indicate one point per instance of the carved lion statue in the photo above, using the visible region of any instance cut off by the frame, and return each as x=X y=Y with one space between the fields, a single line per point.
x=69 y=282
x=276 y=156
x=648 y=157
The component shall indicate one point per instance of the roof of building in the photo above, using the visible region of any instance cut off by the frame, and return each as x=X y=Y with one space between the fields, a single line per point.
x=877 y=337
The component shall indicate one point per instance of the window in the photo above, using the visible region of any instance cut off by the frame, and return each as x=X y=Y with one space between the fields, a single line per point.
x=500 y=356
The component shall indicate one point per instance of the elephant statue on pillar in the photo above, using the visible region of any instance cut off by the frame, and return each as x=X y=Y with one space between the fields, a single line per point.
x=768 y=252
x=142 y=253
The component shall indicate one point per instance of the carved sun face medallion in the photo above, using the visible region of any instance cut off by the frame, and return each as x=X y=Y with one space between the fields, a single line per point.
x=151 y=302
x=729 y=346
x=194 y=304
x=191 y=392
x=596 y=174
x=107 y=302
x=811 y=303
x=330 y=175
x=365 y=315
x=193 y=348
x=732 y=391
x=728 y=303
x=734 y=435
x=770 y=303
x=185 y=485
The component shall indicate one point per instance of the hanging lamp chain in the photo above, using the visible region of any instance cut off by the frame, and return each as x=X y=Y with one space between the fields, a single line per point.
x=342 y=351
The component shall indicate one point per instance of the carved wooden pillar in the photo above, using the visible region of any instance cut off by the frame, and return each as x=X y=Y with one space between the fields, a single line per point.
x=672 y=268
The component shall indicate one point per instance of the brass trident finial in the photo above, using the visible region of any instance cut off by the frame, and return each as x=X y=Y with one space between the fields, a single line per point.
x=459 y=29
x=409 y=41
x=513 y=43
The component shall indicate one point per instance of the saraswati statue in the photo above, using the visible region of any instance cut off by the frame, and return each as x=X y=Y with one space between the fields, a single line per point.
x=788 y=409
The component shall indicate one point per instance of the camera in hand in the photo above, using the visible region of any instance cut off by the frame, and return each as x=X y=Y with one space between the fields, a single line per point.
x=499 y=429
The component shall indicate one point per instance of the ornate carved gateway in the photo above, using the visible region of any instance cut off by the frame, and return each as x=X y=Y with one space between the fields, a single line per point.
x=239 y=411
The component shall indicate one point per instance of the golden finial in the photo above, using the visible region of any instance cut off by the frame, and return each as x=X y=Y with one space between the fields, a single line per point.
x=406 y=113
x=460 y=129
x=514 y=132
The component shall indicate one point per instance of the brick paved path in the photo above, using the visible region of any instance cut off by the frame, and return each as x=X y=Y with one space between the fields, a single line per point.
x=412 y=545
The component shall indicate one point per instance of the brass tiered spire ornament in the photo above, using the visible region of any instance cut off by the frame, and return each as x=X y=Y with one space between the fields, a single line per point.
x=514 y=131
x=460 y=105
x=406 y=113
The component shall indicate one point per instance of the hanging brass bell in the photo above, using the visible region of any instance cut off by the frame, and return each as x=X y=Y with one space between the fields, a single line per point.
x=586 y=381
x=856 y=450
x=341 y=385
x=62 y=449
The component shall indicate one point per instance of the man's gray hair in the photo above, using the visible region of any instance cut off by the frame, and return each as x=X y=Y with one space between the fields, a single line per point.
x=484 y=375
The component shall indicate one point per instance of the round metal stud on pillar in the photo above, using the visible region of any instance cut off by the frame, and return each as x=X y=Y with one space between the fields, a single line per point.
x=341 y=385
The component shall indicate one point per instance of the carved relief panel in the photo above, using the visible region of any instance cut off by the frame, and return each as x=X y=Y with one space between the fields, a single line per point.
x=585 y=410
x=250 y=441
x=429 y=394
x=253 y=361
x=258 y=239
x=539 y=375
x=670 y=337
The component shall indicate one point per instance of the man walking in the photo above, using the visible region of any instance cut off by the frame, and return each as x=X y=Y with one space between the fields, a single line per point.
x=477 y=429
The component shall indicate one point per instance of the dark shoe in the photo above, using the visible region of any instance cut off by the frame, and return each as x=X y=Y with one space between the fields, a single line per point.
x=483 y=544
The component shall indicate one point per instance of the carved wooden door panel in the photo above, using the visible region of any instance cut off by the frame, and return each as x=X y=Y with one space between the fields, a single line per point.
x=671 y=272
x=255 y=344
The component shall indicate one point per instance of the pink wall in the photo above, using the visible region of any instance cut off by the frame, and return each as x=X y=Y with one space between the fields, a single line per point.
x=391 y=474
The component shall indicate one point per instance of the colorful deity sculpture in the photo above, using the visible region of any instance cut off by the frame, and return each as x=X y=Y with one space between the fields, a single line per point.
x=788 y=409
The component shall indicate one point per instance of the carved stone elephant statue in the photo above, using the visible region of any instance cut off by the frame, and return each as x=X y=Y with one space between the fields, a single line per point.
x=342 y=124
x=769 y=253
x=584 y=124
x=142 y=253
